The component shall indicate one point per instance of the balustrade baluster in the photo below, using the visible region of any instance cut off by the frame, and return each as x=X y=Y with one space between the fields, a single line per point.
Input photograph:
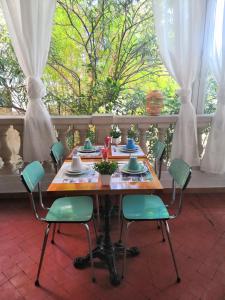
x=5 y=151
x=200 y=146
x=83 y=134
x=143 y=139
x=19 y=128
x=62 y=133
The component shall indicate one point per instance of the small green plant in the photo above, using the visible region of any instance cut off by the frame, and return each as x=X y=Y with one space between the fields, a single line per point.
x=115 y=132
x=106 y=167
x=131 y=133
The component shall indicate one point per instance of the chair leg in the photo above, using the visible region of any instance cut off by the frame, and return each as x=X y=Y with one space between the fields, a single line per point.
x=95 y=230
x=161 y=226
x=90 y=251
x=53 y=234
x=171 y=249
x=120 y=208
x=59 y=231
x=125 y=249
x=97 y=207
x=158 y=225
x=121 y=231
x=42 y=253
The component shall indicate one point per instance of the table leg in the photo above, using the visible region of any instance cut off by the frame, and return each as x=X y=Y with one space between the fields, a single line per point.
x=105 y=250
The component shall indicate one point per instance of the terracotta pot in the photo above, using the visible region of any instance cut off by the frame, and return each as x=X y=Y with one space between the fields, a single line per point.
x=154 y=103
x=105 y=179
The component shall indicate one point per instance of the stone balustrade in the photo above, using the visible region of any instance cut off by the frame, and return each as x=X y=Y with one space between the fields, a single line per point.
x=11 y=129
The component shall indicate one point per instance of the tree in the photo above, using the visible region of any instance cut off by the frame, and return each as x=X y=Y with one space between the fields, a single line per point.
x=12 y=89
x=101 y=50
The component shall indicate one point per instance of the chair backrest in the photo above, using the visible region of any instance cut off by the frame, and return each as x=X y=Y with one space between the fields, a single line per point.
x=181 y=172
x=158 y=152
x=32 y=174
x=57 y=152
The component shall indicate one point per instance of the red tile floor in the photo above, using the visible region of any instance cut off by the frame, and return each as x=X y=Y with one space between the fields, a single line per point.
x=198 y=237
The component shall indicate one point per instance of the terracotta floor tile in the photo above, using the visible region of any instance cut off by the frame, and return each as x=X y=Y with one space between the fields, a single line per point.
x=198 y=237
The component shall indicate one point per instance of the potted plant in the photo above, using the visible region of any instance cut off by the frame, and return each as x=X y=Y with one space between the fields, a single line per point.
x=154 y=103
x=105 y=169
x=132 y=133
x=115 y=133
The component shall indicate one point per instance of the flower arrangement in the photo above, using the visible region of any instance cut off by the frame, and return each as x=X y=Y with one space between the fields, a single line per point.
x=106 y=167
x=115 y=132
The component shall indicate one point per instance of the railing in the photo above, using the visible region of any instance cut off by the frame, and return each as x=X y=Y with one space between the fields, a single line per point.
x=11 y=130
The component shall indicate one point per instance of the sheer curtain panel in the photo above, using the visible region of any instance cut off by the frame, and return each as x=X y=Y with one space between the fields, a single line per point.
x=214 y=158
x=179 y=27
x=29 y=23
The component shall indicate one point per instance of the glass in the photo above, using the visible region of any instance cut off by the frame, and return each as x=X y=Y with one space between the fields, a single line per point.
x=107 y=141
x=104 y=153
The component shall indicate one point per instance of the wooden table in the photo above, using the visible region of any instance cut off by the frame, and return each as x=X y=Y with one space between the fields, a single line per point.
x=105 y=249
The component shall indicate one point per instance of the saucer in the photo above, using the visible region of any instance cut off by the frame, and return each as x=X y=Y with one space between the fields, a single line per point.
x=83 y=150
x=126 y=170
x=76 y=172
x=130 y=150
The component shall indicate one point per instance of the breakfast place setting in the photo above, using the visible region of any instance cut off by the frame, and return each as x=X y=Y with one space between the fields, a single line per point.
x=88 y=163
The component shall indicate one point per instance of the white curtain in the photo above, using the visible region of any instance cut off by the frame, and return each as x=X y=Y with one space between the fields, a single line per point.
x=29 y=23
x=214 y=158
x=179 y=27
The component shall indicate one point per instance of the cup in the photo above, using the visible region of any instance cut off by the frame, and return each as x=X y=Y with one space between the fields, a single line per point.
x=87 y=144
x=76 y=164
x=130 y=143
x=104 y=152
x=133 y=164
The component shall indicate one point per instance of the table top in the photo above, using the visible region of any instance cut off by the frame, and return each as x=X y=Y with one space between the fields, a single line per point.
x=95 y=187
x=114 y=153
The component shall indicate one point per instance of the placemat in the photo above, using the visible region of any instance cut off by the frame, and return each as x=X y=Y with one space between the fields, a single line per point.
x=116 y=151
x=91 y=176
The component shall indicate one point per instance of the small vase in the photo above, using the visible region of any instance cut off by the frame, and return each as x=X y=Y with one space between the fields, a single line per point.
x=105 y=179
x=116 y=141
x=154 y=103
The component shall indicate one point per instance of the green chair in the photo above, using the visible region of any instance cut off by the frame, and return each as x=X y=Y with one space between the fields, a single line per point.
x=57 y=154
x=63 y=210
x=158 y=153
x=137 y=208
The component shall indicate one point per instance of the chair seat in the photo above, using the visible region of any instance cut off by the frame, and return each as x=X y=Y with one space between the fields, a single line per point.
x=144 y=207
x=71 y=209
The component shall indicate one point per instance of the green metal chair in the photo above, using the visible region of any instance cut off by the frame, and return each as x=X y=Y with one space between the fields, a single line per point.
x=137 y=208
x=63 y=210
x=57 y=154
x=158 y=153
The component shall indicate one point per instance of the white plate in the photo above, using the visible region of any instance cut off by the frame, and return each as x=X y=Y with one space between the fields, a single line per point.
x=127 y=171
x=125 y=149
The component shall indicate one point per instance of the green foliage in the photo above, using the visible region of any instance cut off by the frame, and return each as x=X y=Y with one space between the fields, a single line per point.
x=12 y=89
x=106 y=167
x=102 y=59
x=211 y=99
x=99 y=53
